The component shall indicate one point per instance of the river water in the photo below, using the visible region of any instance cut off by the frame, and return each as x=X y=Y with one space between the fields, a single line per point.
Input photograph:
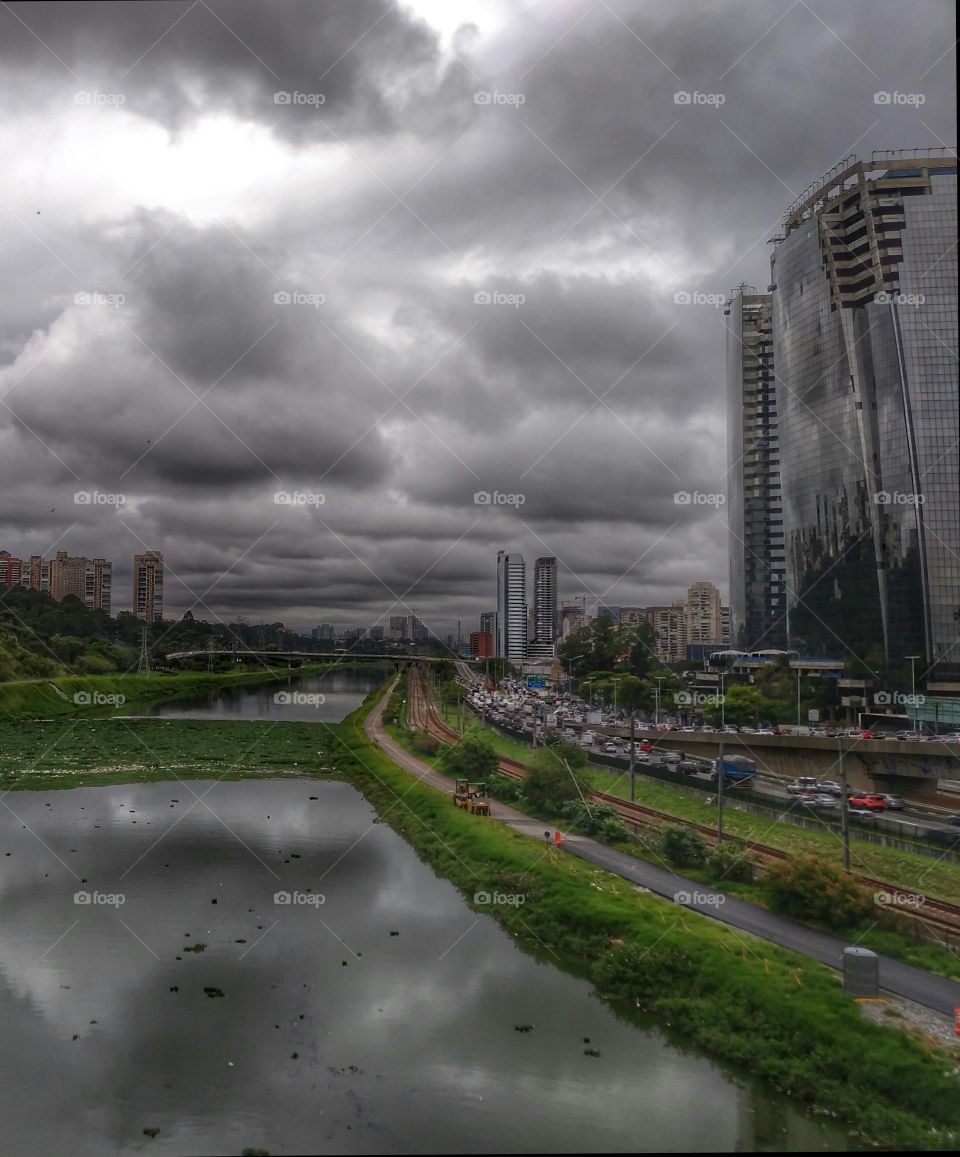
x=378 y=1020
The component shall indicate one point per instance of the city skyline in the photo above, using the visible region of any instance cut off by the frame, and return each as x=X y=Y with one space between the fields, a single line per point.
x=620 y=210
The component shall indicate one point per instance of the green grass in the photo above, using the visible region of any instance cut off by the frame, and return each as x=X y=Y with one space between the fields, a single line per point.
x=772 y=1013
x=42 y=754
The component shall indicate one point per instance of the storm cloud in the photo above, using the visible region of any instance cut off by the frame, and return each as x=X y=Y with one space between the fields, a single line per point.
x=353 y=249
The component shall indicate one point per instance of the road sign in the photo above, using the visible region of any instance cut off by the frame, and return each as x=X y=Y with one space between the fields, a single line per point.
x=813 y=715
x=536 y=681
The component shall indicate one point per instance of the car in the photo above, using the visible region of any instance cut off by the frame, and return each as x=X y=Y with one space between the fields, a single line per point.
x=688 y=766
x=803 y=785
x=863 y=813
x=610 y=748
x=817 y=801
x=910 y=736
x=893 y=802
x=870 y=800
x=766 y=731
x=672 y=757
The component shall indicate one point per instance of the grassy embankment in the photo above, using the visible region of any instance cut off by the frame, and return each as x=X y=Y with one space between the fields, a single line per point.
x=913 y=873
x=772 y=1013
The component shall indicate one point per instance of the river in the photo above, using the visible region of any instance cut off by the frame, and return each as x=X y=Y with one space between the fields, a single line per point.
x=372 y=1013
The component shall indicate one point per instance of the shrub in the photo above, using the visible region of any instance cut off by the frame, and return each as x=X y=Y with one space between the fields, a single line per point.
x=552 y=782
x=727 y=863
x=598 y=819
x=426 y=744
x=504 y=788
x=813 y=890
x=474 y=757
x=684 y=847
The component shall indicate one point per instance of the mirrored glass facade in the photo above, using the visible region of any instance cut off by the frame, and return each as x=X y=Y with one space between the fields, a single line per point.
x=864 y=319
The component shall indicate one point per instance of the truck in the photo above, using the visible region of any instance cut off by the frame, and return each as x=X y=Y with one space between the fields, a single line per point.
x=736 y=768
x=587 y=738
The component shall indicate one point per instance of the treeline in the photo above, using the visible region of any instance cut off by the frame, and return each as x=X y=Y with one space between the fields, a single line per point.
x=40 y=636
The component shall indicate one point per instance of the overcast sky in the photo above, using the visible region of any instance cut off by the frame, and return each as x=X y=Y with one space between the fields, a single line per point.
x=171 y=168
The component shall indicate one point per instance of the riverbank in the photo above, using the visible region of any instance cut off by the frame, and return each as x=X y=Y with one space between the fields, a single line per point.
x=776 y=1014
x=77 y=695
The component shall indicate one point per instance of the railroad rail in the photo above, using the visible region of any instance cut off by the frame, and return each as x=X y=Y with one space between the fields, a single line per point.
x=422 y=714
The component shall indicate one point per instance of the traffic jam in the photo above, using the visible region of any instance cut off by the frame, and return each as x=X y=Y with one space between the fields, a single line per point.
x=539 y=714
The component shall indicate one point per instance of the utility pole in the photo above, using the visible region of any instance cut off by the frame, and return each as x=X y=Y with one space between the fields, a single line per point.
x=798 y=701
x=633 y=732
x=143 y=664
x=844 y=811
x=720 y=792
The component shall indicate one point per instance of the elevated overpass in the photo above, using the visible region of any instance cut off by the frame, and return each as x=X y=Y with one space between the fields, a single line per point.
x=308 y=656
x=893 y=765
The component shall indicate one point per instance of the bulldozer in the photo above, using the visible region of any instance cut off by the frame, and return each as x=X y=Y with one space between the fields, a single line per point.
x=472 y=796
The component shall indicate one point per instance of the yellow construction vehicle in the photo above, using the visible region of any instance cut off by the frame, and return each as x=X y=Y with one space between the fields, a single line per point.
x=472 y=796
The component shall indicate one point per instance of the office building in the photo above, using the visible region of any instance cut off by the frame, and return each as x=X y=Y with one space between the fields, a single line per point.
x=572 y=618
x=511 y=607
x=754 y=504
x=546 y=607
x=481 y=644
x=376 y=633
x=148 y=585
x=864 y=319
x=488 y=623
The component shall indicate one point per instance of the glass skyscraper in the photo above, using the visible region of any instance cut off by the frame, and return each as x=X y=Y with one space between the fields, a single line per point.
x=864 y=325
x=754 y=513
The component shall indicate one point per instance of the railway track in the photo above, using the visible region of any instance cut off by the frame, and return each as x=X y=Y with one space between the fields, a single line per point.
x=423 y=715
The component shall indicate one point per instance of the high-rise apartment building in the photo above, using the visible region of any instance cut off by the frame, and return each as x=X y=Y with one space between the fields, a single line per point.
x=572 y=618
x=670 y=626
x=703 y=614
x=511 y=606
x=148 y=585
x=754 y=504
x=481 y=644
x=546 y=607
x=88 y=579
x=864 y=321
x=11 y=570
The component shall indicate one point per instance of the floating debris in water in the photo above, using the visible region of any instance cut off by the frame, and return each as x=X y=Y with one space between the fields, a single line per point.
x=212 y=992
x=342 y=1071
x=522 y=1027
x=150 y=1130
x=591 y=1052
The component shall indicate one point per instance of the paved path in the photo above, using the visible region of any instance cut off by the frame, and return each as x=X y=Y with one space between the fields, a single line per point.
x=915 y=984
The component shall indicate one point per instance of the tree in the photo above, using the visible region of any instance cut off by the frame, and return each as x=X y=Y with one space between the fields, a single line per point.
x=474 y=757
x=594 y=647
x=555 y=778
x=643 y=649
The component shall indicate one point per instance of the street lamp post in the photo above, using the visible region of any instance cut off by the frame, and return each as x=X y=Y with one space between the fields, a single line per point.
x=913 y=685
x=659 y=679
x=798 y=700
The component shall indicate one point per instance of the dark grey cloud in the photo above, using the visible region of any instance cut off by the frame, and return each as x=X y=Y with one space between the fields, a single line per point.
x=596 y=199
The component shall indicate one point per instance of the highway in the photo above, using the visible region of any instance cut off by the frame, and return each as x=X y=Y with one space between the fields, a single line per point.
x=904 y=980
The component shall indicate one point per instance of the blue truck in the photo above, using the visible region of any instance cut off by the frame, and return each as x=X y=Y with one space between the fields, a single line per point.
x=736 y=769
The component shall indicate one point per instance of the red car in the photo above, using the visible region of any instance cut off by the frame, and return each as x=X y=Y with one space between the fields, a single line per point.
x=871 y=802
